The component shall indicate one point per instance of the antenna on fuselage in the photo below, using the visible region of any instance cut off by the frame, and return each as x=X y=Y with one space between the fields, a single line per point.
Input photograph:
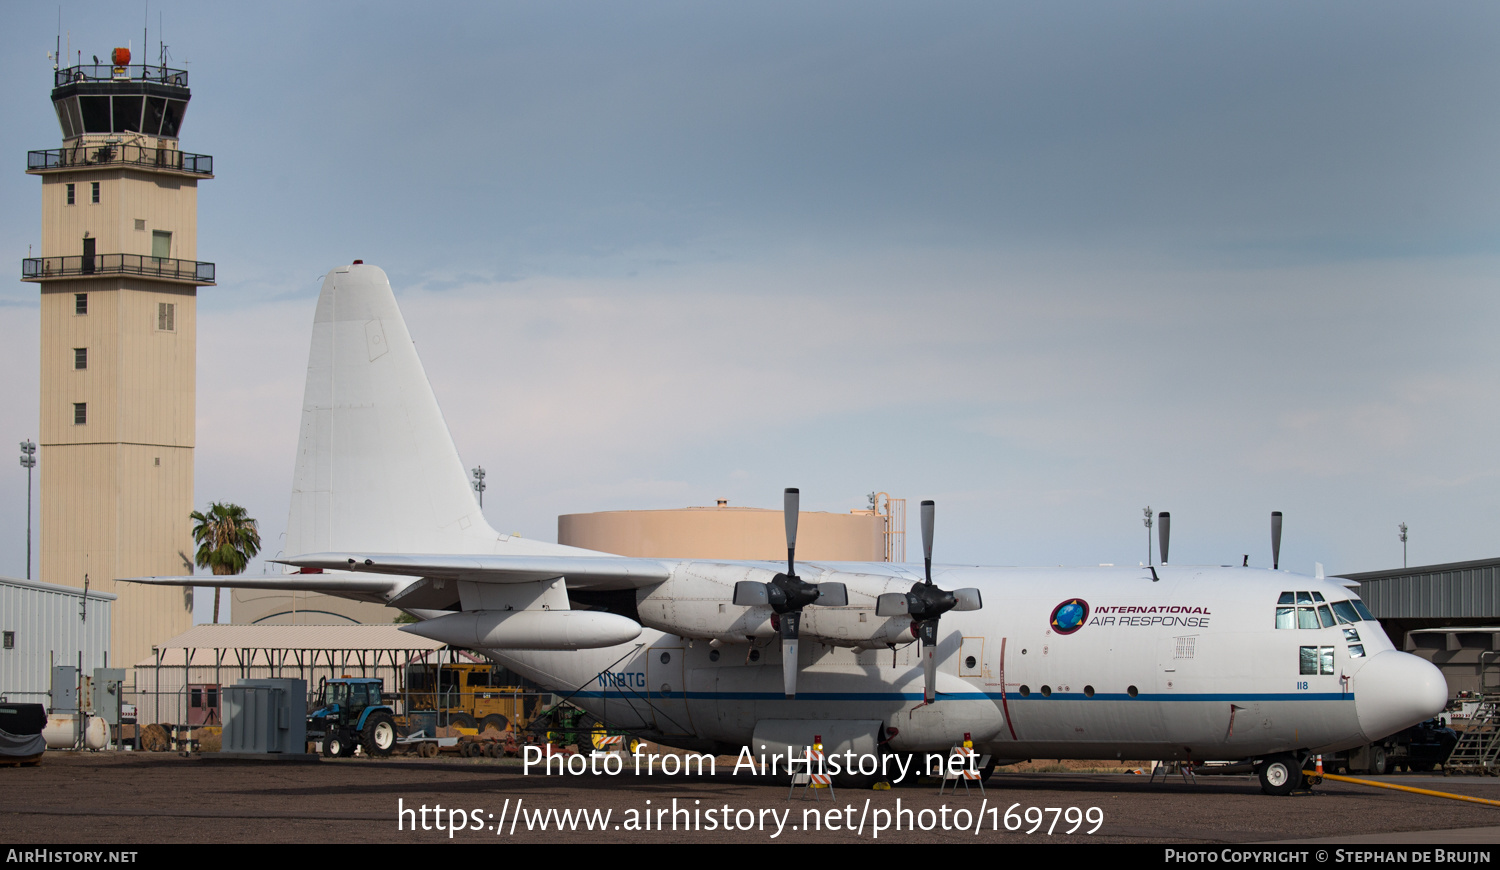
x=1164 y=533
x=1275 y=540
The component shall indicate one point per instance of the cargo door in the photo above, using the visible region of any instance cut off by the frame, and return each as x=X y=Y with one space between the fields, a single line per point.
x=971 y=657
x=667 y=690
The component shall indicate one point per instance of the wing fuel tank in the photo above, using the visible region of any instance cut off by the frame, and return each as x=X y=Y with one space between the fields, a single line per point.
x=528 y=629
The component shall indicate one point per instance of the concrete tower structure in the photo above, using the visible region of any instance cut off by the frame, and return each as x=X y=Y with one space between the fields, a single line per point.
x=119 y=274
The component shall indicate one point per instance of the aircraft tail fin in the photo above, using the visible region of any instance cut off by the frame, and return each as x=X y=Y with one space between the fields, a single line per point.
x=376 y=467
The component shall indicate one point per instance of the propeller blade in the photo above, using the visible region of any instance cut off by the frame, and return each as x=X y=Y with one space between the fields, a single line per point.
x=892 y=604
x=1275 y=540
x=967 y=599
x=790 y=508
x=927 y=631
x=789 y=625
x=751 y=593
x=832 y=595
x=929 y=674
x=1164 y=533
x=927 y=520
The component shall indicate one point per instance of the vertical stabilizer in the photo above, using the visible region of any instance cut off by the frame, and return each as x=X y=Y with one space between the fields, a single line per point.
x=376 y=468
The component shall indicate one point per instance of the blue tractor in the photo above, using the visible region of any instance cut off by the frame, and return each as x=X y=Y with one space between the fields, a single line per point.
x=349 y=712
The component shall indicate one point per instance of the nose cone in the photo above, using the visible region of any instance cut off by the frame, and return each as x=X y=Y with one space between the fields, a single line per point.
x=1395 y=690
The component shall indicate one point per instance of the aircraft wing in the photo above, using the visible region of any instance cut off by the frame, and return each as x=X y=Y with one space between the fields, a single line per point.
x=581 y=572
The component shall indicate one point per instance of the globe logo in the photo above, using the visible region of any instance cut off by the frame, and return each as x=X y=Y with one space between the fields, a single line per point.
x=1070 y=615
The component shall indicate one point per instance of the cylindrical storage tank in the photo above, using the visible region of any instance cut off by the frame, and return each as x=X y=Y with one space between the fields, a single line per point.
x=726 y=533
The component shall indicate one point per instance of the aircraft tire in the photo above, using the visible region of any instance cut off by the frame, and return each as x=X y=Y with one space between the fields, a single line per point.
x=1280 y=775
x=1378 y=760
x=379 y=734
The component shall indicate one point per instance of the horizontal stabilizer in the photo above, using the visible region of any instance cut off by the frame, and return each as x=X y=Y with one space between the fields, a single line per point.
x=582 y=572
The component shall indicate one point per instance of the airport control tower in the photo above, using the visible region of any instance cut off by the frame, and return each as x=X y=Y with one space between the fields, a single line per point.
x=119 y=275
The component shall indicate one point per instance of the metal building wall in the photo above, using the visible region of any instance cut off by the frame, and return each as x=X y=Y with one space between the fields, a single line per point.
x=1457 y=590
x=48 y=630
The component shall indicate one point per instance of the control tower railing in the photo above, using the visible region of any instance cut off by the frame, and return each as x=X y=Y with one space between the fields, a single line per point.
x=92 y=155
x=100 y=265
x=104 y=72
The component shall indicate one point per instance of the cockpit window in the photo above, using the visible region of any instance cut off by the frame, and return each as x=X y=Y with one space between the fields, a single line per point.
x=1286 y=598
x=1286 y=617
x=1345 y=612
x=1304 y=598
x=1317 y=596
x=1325 y=616
x=1307 y=617
x=1364 y=612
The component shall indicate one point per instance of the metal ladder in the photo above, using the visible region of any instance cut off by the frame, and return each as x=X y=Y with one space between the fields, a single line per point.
x=1478 y=747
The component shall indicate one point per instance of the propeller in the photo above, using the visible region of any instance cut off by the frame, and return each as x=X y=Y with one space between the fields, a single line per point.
x=787 y=594
x=1275 y=540
x=1164 y=533
x=925 y=604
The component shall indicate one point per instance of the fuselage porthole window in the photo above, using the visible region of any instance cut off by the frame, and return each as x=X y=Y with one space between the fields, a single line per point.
x=1025 y=691
x=1132 y=691
x=1046 y=691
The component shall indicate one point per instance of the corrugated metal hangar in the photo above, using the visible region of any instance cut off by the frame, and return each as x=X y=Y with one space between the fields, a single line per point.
x=1449 y=614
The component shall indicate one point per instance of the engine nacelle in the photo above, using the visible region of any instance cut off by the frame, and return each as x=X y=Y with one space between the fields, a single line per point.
x=697 y=601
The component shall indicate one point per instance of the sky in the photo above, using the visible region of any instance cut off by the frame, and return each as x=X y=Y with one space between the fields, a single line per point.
x=1046 y=264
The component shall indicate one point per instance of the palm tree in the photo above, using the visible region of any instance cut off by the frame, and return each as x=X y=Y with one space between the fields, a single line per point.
x=227 y=539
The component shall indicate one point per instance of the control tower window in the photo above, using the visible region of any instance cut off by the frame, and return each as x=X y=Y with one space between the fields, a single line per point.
x=80 y=413
x=80 y=358
x=166 y=316
x=127 y=115
x=71 y=193
x=172 y=118
x=156 y=108
x=80 y=303
x=161 y=244
x=95 y=114
x=94 y=192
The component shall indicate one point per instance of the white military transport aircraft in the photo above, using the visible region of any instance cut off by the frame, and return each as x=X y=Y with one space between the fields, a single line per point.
x=1172 y=662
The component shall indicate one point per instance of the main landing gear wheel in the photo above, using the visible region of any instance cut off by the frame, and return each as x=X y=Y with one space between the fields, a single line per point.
x=379 y=736
x=1280 y=774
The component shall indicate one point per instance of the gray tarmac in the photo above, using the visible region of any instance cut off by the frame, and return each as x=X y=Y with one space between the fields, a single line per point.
x=141 y=798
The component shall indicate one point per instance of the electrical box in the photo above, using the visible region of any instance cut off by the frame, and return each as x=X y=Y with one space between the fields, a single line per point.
x=64 y=689
x=109 y=685
x=266 y=716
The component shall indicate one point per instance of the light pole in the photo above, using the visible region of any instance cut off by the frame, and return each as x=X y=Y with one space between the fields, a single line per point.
x=28 y=462
x=1147 y=512
x=1403 y=545
x=478 y=473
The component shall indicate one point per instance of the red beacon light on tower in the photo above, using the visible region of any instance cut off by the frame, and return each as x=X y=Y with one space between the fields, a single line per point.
x=121 y=59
